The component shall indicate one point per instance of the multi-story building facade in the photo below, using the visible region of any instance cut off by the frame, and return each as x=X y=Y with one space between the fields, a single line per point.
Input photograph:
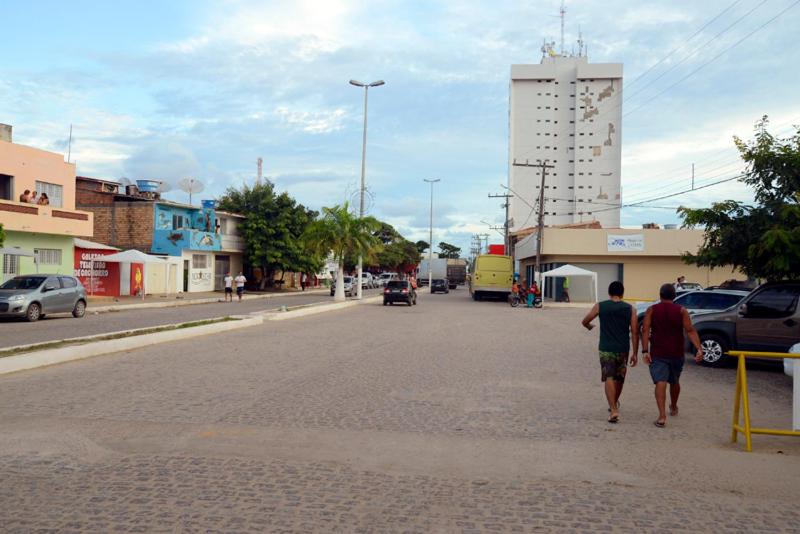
x=192 y=238
x=566 y=112
x=47 y=231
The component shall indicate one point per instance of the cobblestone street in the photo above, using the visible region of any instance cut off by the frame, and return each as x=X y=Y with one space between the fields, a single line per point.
x=450 y=416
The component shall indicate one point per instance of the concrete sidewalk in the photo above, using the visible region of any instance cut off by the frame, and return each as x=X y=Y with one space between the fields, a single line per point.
x=110 y=304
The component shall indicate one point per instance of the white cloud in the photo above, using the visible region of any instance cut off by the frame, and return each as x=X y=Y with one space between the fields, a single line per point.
x=314 y=122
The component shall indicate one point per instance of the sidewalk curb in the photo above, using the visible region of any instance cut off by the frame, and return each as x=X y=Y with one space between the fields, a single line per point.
x=32 y=360
x=44 y=358
x=313 y=310
x=189 y=302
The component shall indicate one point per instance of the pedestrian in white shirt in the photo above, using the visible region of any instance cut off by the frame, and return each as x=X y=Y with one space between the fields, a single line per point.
x=240 y=280
x=228 y=286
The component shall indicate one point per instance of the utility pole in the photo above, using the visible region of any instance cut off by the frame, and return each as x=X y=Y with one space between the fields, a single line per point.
x=539 y=235
x=484 y=238
x=430 y=248
x=506 y=243
x=366 y=87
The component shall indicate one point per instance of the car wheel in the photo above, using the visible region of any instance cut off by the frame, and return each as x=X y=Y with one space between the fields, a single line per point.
x=714 y=349
x=79 y=310
x=385 y=303
x=33 y=313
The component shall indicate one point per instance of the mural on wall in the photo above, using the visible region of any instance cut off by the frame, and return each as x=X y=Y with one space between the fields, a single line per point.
x=137 y=276
x=178 y=228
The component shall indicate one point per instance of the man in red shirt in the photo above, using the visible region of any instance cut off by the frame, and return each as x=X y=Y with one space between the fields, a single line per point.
x=662 y=333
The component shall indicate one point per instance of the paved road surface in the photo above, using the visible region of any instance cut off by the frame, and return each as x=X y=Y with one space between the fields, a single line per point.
x=19 y=332
x=450 y=416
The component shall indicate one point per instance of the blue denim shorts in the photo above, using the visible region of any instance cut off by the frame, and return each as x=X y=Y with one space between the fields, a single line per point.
x=666 y=370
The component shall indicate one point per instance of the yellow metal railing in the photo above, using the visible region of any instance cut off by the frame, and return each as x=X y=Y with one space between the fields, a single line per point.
x=741 y=403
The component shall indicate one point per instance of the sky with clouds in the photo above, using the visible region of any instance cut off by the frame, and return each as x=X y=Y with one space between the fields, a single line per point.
x=166 y=90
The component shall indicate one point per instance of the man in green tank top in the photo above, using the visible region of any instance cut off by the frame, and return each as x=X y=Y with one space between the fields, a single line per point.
x=618 y=332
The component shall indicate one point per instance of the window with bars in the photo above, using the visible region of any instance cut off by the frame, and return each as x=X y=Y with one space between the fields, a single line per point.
x=47 y=256
x=10 y=265
x=54 y=192
x=199 y=261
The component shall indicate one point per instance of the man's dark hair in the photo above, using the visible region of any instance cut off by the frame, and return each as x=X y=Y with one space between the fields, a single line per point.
x=616 y=289
x=667 y=292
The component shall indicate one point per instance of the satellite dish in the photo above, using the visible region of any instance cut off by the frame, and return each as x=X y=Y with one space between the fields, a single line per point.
x=125 y=181
x=164 y=187
x=190 y=186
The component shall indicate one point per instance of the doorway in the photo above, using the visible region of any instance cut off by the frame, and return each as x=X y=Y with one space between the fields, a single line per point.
x=222 y=264
x=185 y=276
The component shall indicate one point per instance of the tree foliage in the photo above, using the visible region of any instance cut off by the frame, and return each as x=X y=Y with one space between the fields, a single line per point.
x=2 y=236
x=272 y=229
x=763 y=240
x=446 y=250
x=340 y=232
x=422 y=246
x=398 y=253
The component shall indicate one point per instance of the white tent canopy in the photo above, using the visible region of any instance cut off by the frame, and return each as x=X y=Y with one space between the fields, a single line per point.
x=136 y=256
x=571 y=270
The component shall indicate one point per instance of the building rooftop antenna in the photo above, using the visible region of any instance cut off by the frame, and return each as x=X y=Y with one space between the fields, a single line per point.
x=259 y=162
x=563 y=12
x=580 y=42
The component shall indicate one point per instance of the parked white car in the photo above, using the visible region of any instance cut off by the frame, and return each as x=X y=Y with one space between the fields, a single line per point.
x=385 y=278
x=367 y=282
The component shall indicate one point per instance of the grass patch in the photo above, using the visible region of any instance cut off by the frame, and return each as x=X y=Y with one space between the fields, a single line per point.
x=119 y=335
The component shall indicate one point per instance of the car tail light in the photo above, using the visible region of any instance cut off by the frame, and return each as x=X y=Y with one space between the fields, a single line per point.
x=386 y=290
x=405 y=291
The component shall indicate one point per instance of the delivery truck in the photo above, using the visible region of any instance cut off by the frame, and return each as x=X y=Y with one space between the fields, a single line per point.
x=456 y=272
x=439 y=268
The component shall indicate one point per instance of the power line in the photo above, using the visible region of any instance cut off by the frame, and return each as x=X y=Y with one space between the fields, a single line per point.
x=734 y=45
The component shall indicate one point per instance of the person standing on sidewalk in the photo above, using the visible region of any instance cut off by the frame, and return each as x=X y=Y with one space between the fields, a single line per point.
x=618 y=324
x=303 y=280
x=565 y=289
x=228 y=286
x=240 y=280
x=662 y=348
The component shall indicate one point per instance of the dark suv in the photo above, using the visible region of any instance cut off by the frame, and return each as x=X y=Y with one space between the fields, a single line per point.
x=399 y=291
x=767 y=320
x=440 y=285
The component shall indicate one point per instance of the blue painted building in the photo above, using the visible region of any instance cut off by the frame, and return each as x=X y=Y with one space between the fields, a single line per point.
x=178 y=227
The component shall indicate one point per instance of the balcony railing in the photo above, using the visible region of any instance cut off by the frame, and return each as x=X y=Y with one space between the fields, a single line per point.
x=22 y=217
x=232 y=243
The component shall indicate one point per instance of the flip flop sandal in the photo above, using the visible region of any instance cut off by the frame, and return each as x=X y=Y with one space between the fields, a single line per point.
x=609 y=410
x=613 y=419
x=673 y=411
x=659 y=424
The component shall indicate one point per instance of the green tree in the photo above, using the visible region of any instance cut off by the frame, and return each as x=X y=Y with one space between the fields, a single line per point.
x=2 y=236
x=397 y=251
x=422 y=246
x=340 y=232
x=446 y=250
x=272 y=230
x=763 y=240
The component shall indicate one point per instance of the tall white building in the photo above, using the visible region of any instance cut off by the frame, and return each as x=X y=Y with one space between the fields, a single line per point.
x=567 y=112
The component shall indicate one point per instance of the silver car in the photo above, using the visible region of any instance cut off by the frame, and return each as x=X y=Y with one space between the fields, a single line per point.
x=34 y=295
x=350 y=286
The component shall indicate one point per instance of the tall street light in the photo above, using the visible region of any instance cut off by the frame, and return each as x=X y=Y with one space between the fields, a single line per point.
x=430 y=248
x=366 y=87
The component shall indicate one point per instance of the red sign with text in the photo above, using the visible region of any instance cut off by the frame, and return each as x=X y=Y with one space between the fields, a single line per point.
x=104 y=279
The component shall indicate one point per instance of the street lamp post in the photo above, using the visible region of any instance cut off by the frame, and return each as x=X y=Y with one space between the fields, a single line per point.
x=366 y=86
x=430 y=237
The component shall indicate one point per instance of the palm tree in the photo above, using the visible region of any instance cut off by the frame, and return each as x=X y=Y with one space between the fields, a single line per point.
x=342 y=233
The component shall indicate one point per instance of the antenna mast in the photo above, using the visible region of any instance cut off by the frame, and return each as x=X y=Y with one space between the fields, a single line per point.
x=69 y=145
x=259 y=161
x=563 y=12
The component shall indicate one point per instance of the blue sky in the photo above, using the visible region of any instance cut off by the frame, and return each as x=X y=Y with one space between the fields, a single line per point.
x=166 y=90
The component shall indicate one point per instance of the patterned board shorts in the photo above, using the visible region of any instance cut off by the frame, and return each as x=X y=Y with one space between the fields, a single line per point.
x=613 y=365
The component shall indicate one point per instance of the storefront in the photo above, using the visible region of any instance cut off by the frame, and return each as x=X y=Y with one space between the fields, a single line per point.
x=110 y=279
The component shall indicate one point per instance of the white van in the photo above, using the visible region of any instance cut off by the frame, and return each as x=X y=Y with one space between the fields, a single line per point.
x=384 y=278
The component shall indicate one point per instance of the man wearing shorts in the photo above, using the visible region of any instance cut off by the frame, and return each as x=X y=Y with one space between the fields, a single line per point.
x=228 y=287
x=240 y=280
x=618 y=324
x=662 y=348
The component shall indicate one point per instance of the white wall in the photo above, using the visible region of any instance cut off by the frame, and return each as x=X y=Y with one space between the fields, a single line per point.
x=200 y=279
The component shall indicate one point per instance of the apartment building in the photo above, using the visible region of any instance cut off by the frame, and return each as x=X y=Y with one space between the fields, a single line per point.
x=566 y=112
x=46 y=232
